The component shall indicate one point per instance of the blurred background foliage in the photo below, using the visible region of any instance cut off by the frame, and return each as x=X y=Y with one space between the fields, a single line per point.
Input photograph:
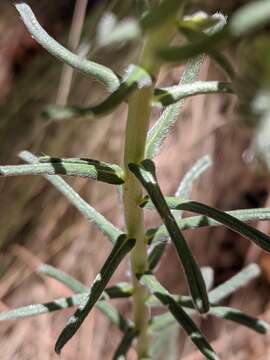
x=37 y=224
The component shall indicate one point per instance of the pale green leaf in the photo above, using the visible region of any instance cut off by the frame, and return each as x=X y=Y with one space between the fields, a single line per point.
x=100 y=72
x=91 y=214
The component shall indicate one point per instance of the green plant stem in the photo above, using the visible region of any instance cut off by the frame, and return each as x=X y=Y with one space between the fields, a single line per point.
x=136 y=131
x=139 y=109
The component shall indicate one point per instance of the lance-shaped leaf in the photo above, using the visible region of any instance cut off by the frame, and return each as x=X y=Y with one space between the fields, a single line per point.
x=259 y=238
x=85 y=209
x=182 y=191
x=100 y=72
x=160 y=14
x=125 y=344
x=120 y=250
x=180 y=315
x=145 y=172
x=135 y=78
x=88 y=168
x=170 y=95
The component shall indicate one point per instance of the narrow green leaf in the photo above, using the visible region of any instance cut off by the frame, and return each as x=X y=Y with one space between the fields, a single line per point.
x=159 y=14
x=39 y=309
x=145 y=173
x=236 y=282
x=125 y=344
x=168 y=96
x=183 y=191
x=194 y=35
x=120 y=250
x=63 y=278
x=193 y=174
x=91 y=214
x=194 y=222
x=161 y=345
x=93 y=169
x=112 y=314
x=259 y=238
x=106 y=308
x=250 y=17
x=120 y=290
x=135 y=77
x=209 y=44
x=158 y=133
x=100 y=72
x=161 y=322
x=239 y=317
x=64 y=303
x=180 y=315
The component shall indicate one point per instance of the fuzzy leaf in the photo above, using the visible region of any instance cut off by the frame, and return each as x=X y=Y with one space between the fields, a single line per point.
x=100 y=72
x=63 y=278
x=91 y=214
x=168 y=96
x=236 y=282
x=39 y=309
x=145 y=173
x=93 y=169
x=180 y=315
x=119 y=251
x=158 y=133
x=135 y=77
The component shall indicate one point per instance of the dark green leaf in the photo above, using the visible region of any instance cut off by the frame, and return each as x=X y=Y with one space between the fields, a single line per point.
x=145 y=172
x=125 y=344
x=180 y=315
x=120 y=250
x=106 y=308
x=239 y=317
x=259 y=238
